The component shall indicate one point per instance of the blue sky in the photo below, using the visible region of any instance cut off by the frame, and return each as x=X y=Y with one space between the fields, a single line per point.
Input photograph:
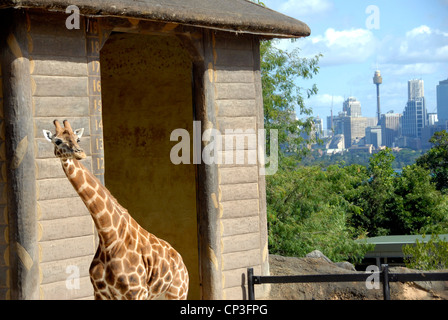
x=405 y=39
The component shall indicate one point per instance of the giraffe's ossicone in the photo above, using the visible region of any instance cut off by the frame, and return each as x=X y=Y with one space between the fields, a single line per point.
x=130 y=262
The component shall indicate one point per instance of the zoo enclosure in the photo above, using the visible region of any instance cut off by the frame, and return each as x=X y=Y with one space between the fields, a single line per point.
x=384 y=276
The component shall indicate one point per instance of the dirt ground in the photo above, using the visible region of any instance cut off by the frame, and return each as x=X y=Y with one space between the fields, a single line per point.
x=279 y=265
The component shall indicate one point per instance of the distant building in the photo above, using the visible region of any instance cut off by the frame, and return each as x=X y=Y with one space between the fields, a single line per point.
x=415 y=89
x=432 y=119
x=414 y=118
x=336 y=144
x=368 y=148
x=414 y=115
x=442 y=101
x=352 y=107
x=336 y=123
x=373 y=136
x=317 y=129
x=390 y=128
x=427 y=134
x=354 y=130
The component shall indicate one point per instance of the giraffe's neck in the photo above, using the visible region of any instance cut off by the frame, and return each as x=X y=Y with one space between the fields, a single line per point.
x=109 y=217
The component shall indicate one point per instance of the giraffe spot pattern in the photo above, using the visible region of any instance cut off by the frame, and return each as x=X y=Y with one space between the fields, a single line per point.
x=130 y=262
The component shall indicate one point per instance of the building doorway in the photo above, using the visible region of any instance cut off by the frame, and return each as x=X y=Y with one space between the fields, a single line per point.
x=147 y=92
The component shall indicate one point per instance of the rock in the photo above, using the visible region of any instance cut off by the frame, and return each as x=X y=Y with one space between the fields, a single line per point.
x=345 y=265
x=318 y=254
x=280 y=266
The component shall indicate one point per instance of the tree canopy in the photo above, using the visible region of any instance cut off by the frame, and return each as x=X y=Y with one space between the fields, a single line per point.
x=310 y=207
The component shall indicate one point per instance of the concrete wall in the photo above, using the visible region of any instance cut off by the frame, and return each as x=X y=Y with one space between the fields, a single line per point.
x=147 y=93
x=60 y=91
x=238 y=105
x=57 y=72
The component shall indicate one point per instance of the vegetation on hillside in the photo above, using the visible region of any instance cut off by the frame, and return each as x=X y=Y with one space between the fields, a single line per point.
x=429 y=255
x=329 y=207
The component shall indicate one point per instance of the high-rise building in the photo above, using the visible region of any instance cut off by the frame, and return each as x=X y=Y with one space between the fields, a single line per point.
x=415 y=89
x=336 y=123
x=414 y=115
x=414 y=118
x=352 y=107
x=432 y=119
x=390 y=128
x=373 y=136
x=354 y=130
x=442 y=101
x=317 y=129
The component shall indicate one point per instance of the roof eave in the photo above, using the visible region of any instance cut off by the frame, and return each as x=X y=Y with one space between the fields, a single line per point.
x=280 y=28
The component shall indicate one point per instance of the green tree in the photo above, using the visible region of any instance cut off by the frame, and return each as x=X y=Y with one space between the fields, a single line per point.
x=307 y=210
x=418 y=206
x=281 y=72
x=390 y=203
x=430 y=255
x=436 y=160
x=375 y=195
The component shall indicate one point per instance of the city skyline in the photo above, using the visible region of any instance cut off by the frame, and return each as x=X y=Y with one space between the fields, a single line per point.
x=357 y=39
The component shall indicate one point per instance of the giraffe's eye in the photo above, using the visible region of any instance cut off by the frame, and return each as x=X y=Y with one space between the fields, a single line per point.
x=58 y=142
x=78 y=140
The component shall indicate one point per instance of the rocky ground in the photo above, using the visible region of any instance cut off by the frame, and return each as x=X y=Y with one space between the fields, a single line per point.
x=317 y=263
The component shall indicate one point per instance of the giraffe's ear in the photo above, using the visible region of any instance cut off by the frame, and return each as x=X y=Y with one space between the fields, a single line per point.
x=48 y=135
x=79 y=132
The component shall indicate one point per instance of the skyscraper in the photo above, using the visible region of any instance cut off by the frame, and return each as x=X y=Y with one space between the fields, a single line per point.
x=414 y=115
x=352 y=107
x=354 y=130
x=390 y=125
x=442 y=101
x=415 y=89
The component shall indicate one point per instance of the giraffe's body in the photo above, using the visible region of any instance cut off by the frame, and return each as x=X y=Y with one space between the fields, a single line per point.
x=130 y=262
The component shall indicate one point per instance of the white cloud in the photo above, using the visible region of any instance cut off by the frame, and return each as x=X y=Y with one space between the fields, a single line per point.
x=418 y=31
x=412 y=69
x=418 y=46
x=341 y=46
x=325 y=100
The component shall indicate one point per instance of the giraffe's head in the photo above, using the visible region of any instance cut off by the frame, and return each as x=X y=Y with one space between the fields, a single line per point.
x=65 y=141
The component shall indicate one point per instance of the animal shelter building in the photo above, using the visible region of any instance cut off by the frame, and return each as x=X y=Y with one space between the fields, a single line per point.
x=130 y=73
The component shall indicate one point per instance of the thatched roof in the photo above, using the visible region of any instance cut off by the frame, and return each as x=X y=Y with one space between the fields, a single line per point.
x=231 y=15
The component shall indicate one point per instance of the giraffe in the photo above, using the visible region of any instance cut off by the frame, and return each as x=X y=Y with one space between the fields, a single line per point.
x=130 y=263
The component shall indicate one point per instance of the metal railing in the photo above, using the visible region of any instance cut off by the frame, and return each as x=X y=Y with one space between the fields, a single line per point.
x=384 y=276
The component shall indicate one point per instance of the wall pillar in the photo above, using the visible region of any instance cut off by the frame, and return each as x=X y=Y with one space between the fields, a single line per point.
x=20 y=169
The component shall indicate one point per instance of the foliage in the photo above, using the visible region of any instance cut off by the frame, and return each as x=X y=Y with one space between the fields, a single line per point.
x=374 y=195
x=417 y=205
x=327 y=209
x=431 y=255
x=307 y=211
x=392 y=203
x=280 y=75
x=436 y=160
x=403 y=157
